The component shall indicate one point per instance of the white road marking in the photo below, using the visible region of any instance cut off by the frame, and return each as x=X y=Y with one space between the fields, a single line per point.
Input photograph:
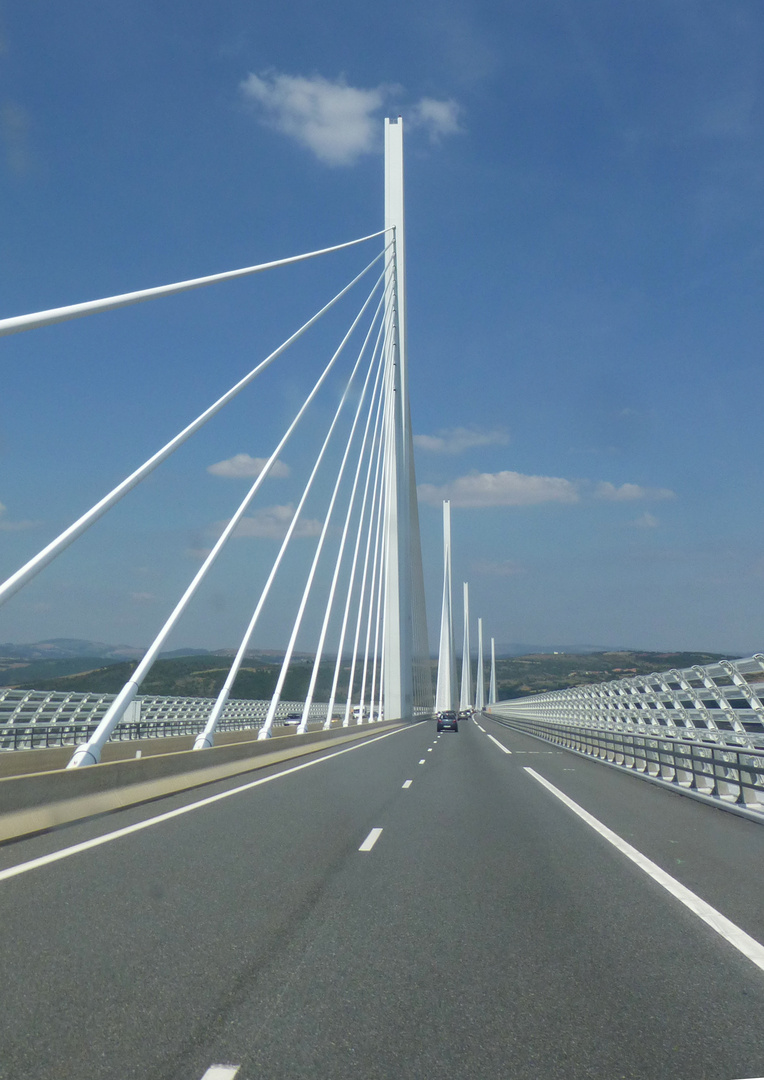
x=422 y=761
x=221 y=1072
x=370 y=840
x=744 y=943
x=75 y=849
x=499 y=744
x=429 y=749
x=407 y=783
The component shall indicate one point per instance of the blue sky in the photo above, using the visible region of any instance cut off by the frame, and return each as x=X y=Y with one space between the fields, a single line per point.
x=584 y=208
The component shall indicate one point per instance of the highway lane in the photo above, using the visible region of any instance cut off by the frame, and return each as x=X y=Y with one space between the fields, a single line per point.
x=488 y=932
x=711 y=852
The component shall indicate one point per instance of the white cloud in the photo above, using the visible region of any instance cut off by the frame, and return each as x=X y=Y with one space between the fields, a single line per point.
x=199 y=554
x=497 y=568
x=271 y=523
x=457 y=440
x=630 y=492
x=242 y=465
x=15 y=526
x=438 y=117
x=479 y=490
x=646 y=521
x=334 y=120
x=337 y=122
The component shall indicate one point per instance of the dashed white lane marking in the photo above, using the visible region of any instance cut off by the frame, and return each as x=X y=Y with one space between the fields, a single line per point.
x=221 y=1072
x=422 y=761
x=499 y=744
x=744 y=943
x=407 y=783
x=64 y=853
x=429 y=749
x=370 y=840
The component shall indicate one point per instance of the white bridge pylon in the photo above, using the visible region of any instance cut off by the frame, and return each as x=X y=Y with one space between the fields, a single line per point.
x=374 y=489
x=445 y=693
x=465 y=697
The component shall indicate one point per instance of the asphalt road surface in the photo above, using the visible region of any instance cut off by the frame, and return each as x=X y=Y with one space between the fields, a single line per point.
x=411 y=907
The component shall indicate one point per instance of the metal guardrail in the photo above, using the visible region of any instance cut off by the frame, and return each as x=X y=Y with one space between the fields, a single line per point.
x=721 y=703
x=45 y=736
x=36 y=719
x=731 y=774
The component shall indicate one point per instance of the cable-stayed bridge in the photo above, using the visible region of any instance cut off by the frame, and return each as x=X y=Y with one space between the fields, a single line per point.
x=374 y=900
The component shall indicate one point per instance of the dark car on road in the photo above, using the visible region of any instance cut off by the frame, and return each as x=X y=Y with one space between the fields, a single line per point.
x=448 y=721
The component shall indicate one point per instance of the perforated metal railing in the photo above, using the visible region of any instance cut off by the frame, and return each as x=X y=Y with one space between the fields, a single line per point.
x=718 y=703
x=700 y=729
x=39 y=718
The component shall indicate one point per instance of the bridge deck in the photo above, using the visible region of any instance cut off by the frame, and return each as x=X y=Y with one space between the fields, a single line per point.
x=487 y=932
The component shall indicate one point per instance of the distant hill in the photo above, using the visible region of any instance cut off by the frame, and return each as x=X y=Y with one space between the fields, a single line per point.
x=203 y=674
x=60 y=657
x=68 y=649
x=185 y=676
x=540 y=672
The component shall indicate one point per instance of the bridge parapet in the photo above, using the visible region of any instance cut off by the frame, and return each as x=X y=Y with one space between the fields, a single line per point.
x=720 y=703
x=43 y=718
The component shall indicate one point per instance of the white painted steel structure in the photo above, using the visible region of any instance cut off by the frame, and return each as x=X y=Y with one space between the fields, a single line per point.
x=388 y=596
x=407 y=679
x=465 y=696
x=445 y=693
x=55 y=708
x=720 y=703
x=480 y=677
x=492 y=680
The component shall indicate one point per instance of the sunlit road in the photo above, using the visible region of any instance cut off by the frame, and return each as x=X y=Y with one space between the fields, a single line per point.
x=487 y=931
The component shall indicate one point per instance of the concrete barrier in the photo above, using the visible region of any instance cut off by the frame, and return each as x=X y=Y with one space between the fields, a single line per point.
x=19 y=762
x=39 y=801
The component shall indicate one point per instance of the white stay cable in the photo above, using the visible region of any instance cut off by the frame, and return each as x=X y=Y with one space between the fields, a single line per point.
x=378 y=498
x=90 y=752
x=63 y=540
x=345 y=529
x=205 y=737
x=380 y=610
x=381 y=694
x=18 y=323
x=265 y=731
x=376 y=444
x=377 y=510
x=374 y=602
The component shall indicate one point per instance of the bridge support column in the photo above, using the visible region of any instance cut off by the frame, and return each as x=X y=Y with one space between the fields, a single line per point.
x=445 y=693
x=407 y=680
x=480 y=687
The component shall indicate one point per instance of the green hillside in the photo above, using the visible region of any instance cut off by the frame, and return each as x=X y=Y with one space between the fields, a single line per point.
x=523 y=675
x=194 y=676
x=203 y=676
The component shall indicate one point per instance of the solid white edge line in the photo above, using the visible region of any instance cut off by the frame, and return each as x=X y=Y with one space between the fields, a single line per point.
x=500 y=746
x=408 y=783
x=75 y=849
x=370 y=840
x=744 y=943
x=221 y=1072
